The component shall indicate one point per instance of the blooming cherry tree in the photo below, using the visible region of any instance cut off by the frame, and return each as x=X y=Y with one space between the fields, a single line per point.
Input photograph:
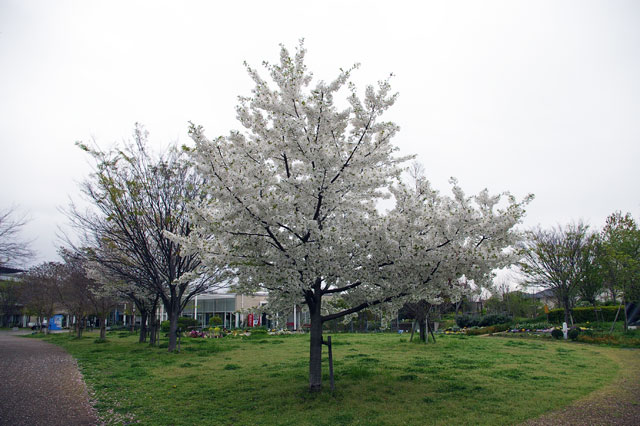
x=445 y=242
x=292 y=201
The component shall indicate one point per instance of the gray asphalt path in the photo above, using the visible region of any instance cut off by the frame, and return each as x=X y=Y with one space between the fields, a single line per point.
x=40 y=385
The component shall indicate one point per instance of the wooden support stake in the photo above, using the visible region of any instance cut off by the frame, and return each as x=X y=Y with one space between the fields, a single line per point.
x=615 y=319
x=426 y=330
x=331 y=365
x=328 y=343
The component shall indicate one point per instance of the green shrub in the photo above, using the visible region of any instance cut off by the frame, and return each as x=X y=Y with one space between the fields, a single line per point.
x=482 y=321
x=493 y=319
x=487 y=330
x=557 y=333
x=533 y=325
x=573 y=333
x=580 y=315
x=467 y=321
x=184 y=323
x=215 y=320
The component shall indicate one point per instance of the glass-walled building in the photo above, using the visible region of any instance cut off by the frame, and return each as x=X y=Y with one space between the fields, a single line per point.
x=206 y=306
x=240 y=311
x=235 y=310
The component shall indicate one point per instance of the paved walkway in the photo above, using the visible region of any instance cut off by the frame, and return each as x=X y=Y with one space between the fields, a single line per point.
x=40 y=385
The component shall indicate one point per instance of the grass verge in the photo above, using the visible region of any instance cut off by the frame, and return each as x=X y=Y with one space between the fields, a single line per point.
x=380 y=379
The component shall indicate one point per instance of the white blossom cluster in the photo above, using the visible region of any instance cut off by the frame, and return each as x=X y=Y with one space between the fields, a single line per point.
x=291 y=201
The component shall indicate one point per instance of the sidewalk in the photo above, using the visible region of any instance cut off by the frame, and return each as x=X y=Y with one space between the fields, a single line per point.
x=41 y=384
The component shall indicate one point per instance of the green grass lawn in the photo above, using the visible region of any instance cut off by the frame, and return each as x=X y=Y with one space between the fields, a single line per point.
x=380 y=379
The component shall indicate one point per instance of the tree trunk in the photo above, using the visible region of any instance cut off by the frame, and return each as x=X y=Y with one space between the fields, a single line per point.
x=413 y=330
x=419 y=318
x=626 y=318
x=152 y=332
x=565 y=302
x=423 y=331
x=79 y=329
x=153 y=325
x=427 y=327
x=143 y=326
x=103 y=327
x=173 y=326
x=315 y=348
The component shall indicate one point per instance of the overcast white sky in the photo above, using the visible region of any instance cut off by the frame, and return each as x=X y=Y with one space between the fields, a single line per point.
x=532 y=97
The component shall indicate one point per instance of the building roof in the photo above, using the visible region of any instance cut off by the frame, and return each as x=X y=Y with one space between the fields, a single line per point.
x=8 y=271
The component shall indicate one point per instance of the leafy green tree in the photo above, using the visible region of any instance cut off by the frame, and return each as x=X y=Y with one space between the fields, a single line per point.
x=552 y=259
x=621 y=256
x=591 y=280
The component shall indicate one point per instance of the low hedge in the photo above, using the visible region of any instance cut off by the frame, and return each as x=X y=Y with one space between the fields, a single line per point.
x=487 y=330
x=482 y=321
x=580 y=315
x=606 y=339
x=184 y=323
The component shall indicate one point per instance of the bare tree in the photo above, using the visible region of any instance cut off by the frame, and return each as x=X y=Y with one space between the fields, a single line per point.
x=73 y=289
x=39 y=290
x=147 y=305
x=140 y=200
x=13 y=249
x=121 y=281
x=552 y=259
x=104 y=299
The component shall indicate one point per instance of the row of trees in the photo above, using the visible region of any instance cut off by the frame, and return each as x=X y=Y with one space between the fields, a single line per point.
x=128 y=238
x=576 y=263
x=52 y=286
x=289 y=204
